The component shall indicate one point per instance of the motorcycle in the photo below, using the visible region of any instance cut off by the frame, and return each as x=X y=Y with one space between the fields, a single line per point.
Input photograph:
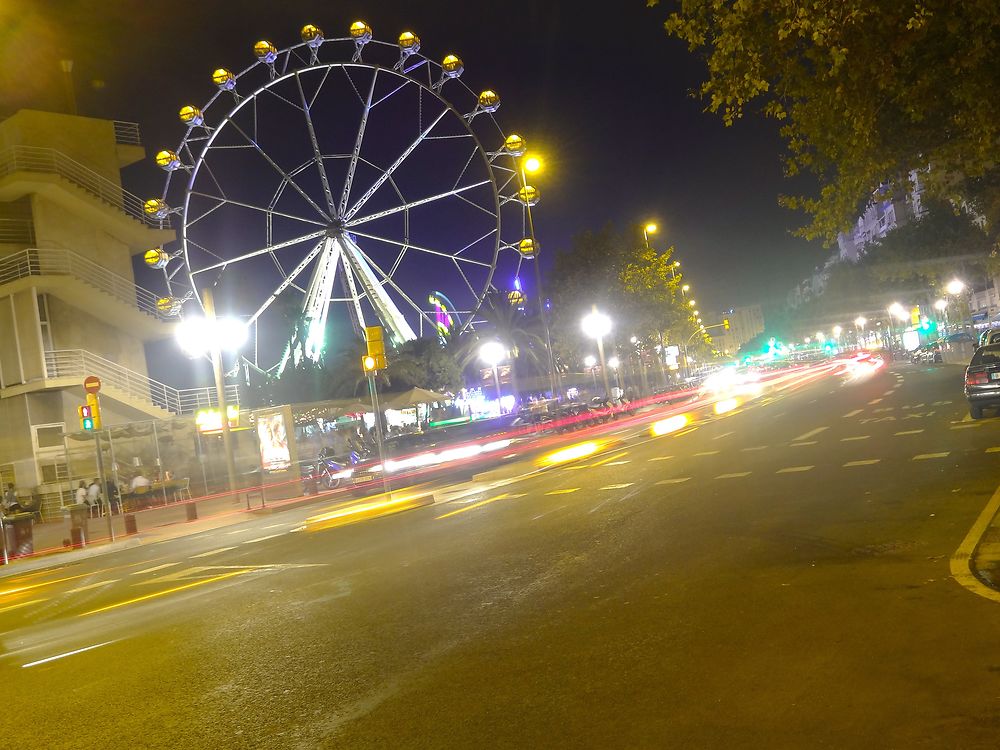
x=332 y=471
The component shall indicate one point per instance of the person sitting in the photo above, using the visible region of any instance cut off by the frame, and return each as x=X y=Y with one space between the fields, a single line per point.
x=139 y=483
x=9 y=504
x=94 y=495
x=81 y=493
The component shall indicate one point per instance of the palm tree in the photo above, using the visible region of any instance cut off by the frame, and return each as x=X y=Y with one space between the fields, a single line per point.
x=516 y=331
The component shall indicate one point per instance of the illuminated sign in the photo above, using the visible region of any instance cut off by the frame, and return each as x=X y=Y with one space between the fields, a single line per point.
x=210 y=420
x=273 y=437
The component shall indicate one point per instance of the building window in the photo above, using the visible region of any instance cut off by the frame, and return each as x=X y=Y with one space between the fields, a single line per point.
x=53 y=472
x=48 y=436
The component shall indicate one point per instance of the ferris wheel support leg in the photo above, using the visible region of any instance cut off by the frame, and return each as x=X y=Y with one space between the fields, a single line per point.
x=317 y=302
x=385 y=308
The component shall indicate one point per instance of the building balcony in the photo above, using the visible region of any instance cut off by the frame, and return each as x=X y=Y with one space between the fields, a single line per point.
x=67 y=368
x=31 y=169
x=87 y=285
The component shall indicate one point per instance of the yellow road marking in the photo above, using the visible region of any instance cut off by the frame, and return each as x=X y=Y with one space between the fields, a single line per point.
x=473 y=505
x=9 y=607
x=793 y=469
x=213 y=552
x=612 y=457
x=865 y=462
x=960 y=562
x=176 y=589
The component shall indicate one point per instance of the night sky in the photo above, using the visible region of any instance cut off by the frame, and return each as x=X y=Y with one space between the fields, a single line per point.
x=603 y=93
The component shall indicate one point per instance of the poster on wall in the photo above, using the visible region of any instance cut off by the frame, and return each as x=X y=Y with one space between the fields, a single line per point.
x=273 y=437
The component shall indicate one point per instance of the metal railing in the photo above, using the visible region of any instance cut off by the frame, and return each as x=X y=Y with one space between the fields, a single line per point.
x=79 y=363
x=127 y=133
x=53 y=262
x=49 y=161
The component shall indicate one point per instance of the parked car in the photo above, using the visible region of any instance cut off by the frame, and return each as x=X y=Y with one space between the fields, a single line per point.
x=989 y=337
x=927 y=353
x=982 y=380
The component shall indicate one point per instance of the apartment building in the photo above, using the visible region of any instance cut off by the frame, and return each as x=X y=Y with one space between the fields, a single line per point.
x=744 y=324
x=69 y=304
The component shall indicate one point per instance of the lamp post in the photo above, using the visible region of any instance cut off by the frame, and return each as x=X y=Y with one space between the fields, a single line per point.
x=597 y=325
x=590 y=362
x=955 y=288
x=860 y=322
x=942 y=308
x=534 y=164
x=614 y=364
x=898 y=312
x=210 y=335
x=493 y=353
x=647 y=230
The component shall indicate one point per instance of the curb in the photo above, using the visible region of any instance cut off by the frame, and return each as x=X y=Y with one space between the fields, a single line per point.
x=961 y=561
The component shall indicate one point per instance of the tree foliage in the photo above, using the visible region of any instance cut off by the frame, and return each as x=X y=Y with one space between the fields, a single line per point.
x=637 y=286
x=865 y=91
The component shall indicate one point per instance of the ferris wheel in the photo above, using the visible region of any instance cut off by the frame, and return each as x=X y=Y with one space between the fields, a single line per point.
x=340 y=180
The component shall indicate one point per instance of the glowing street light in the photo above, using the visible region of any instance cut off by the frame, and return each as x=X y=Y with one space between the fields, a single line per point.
x=897 y=311
x=493 y=353
x=648 y=229
x=955 y=287
x=597 y=325
x=861 y=321
x=198 y=336
x=940 y=305
x=590 y=361
x=686 y=288
x=837 y=330
x=692 y=303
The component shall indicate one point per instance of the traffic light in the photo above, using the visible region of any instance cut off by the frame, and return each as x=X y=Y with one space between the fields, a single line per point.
x=725 y=323
x=90 y=414
x=368 y=364
x=376 y=349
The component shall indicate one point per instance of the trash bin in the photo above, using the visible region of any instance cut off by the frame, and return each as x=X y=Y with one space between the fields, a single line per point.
x=78 y=515
x=191 y=511
x=20 y=534
x=130 y=524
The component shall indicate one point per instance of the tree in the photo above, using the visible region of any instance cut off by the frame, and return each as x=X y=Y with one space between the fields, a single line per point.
x=865 y=91
x=423 y=363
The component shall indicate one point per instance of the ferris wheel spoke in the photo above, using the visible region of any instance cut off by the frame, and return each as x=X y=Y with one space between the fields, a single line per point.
x=287 y=282
x=476 y=242
x=276 y=95
x=285 y=176
x=465 y=278
x=465 y=168
x=395 y=165
x=353 y=165
x=268 y=249
x=259 y=208
x=319 y=87
x=476 y=205
x=315 y=146
x=396 y=90
x=414 y=204
x=440 y=253
x=363 y=266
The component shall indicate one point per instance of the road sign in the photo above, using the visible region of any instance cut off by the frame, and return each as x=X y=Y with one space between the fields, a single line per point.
x=92 y=384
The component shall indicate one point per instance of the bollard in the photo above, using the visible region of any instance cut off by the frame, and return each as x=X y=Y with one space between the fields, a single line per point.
x=130 y=525
x=78 y=537
x=191 y=511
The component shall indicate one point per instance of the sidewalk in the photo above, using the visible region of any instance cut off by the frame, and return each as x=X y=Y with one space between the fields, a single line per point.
x=52 y=538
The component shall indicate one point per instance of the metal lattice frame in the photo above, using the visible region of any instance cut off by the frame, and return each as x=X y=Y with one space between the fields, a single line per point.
x=333 y=221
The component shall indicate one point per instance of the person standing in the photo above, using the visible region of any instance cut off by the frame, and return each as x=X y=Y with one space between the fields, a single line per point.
x=81 y=492
x=10 y=503
x=94 y=494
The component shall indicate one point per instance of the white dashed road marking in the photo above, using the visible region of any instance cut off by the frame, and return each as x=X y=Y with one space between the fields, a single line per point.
x=755 y=448
x=966 y=426
x=213 y=552
x=793 y=469
x=925 y=456
x=706 y=453
x=857 y=437
x=563 y=492
x=875 y=401
x=92 y=586
x=676 y=480
x=804 y=442
x=724 y=434
x=661 y=458
x=941 y=403
x=154 y=569
x=262 y=538
x=621 y=486
x=734 y=475
x=853 y=413
x=618 y=463
x=889 y=393
x=865 y=462
x=807 y=435
x=908 y=432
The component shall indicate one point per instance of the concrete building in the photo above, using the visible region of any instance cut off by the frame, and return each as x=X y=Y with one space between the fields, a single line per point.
x=744 y=324
x=69 y=305
x=879 y=218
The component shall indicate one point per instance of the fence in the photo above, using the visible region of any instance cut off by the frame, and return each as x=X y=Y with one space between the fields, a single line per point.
x=57 y=262
x=79 y=363
x=49 y=161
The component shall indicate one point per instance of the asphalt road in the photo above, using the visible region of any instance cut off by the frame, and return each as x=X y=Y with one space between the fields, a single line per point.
x=773 y=578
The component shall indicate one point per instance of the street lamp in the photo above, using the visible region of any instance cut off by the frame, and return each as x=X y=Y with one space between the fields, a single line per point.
x=897 y=311
x=590 y=362
x=955 y=287
x=837 y=330
x=940 y=305
x=860 y=322
x=210 y=335
x=493 y=353
x=647 y=230
x=532 y=163
x=692 y=303
x=614 y=364
x=597 y=325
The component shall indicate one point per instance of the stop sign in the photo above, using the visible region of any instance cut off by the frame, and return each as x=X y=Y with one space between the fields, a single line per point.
x=92 y=384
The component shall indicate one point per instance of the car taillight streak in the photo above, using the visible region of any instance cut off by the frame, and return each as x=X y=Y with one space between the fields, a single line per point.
x=976 y=378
